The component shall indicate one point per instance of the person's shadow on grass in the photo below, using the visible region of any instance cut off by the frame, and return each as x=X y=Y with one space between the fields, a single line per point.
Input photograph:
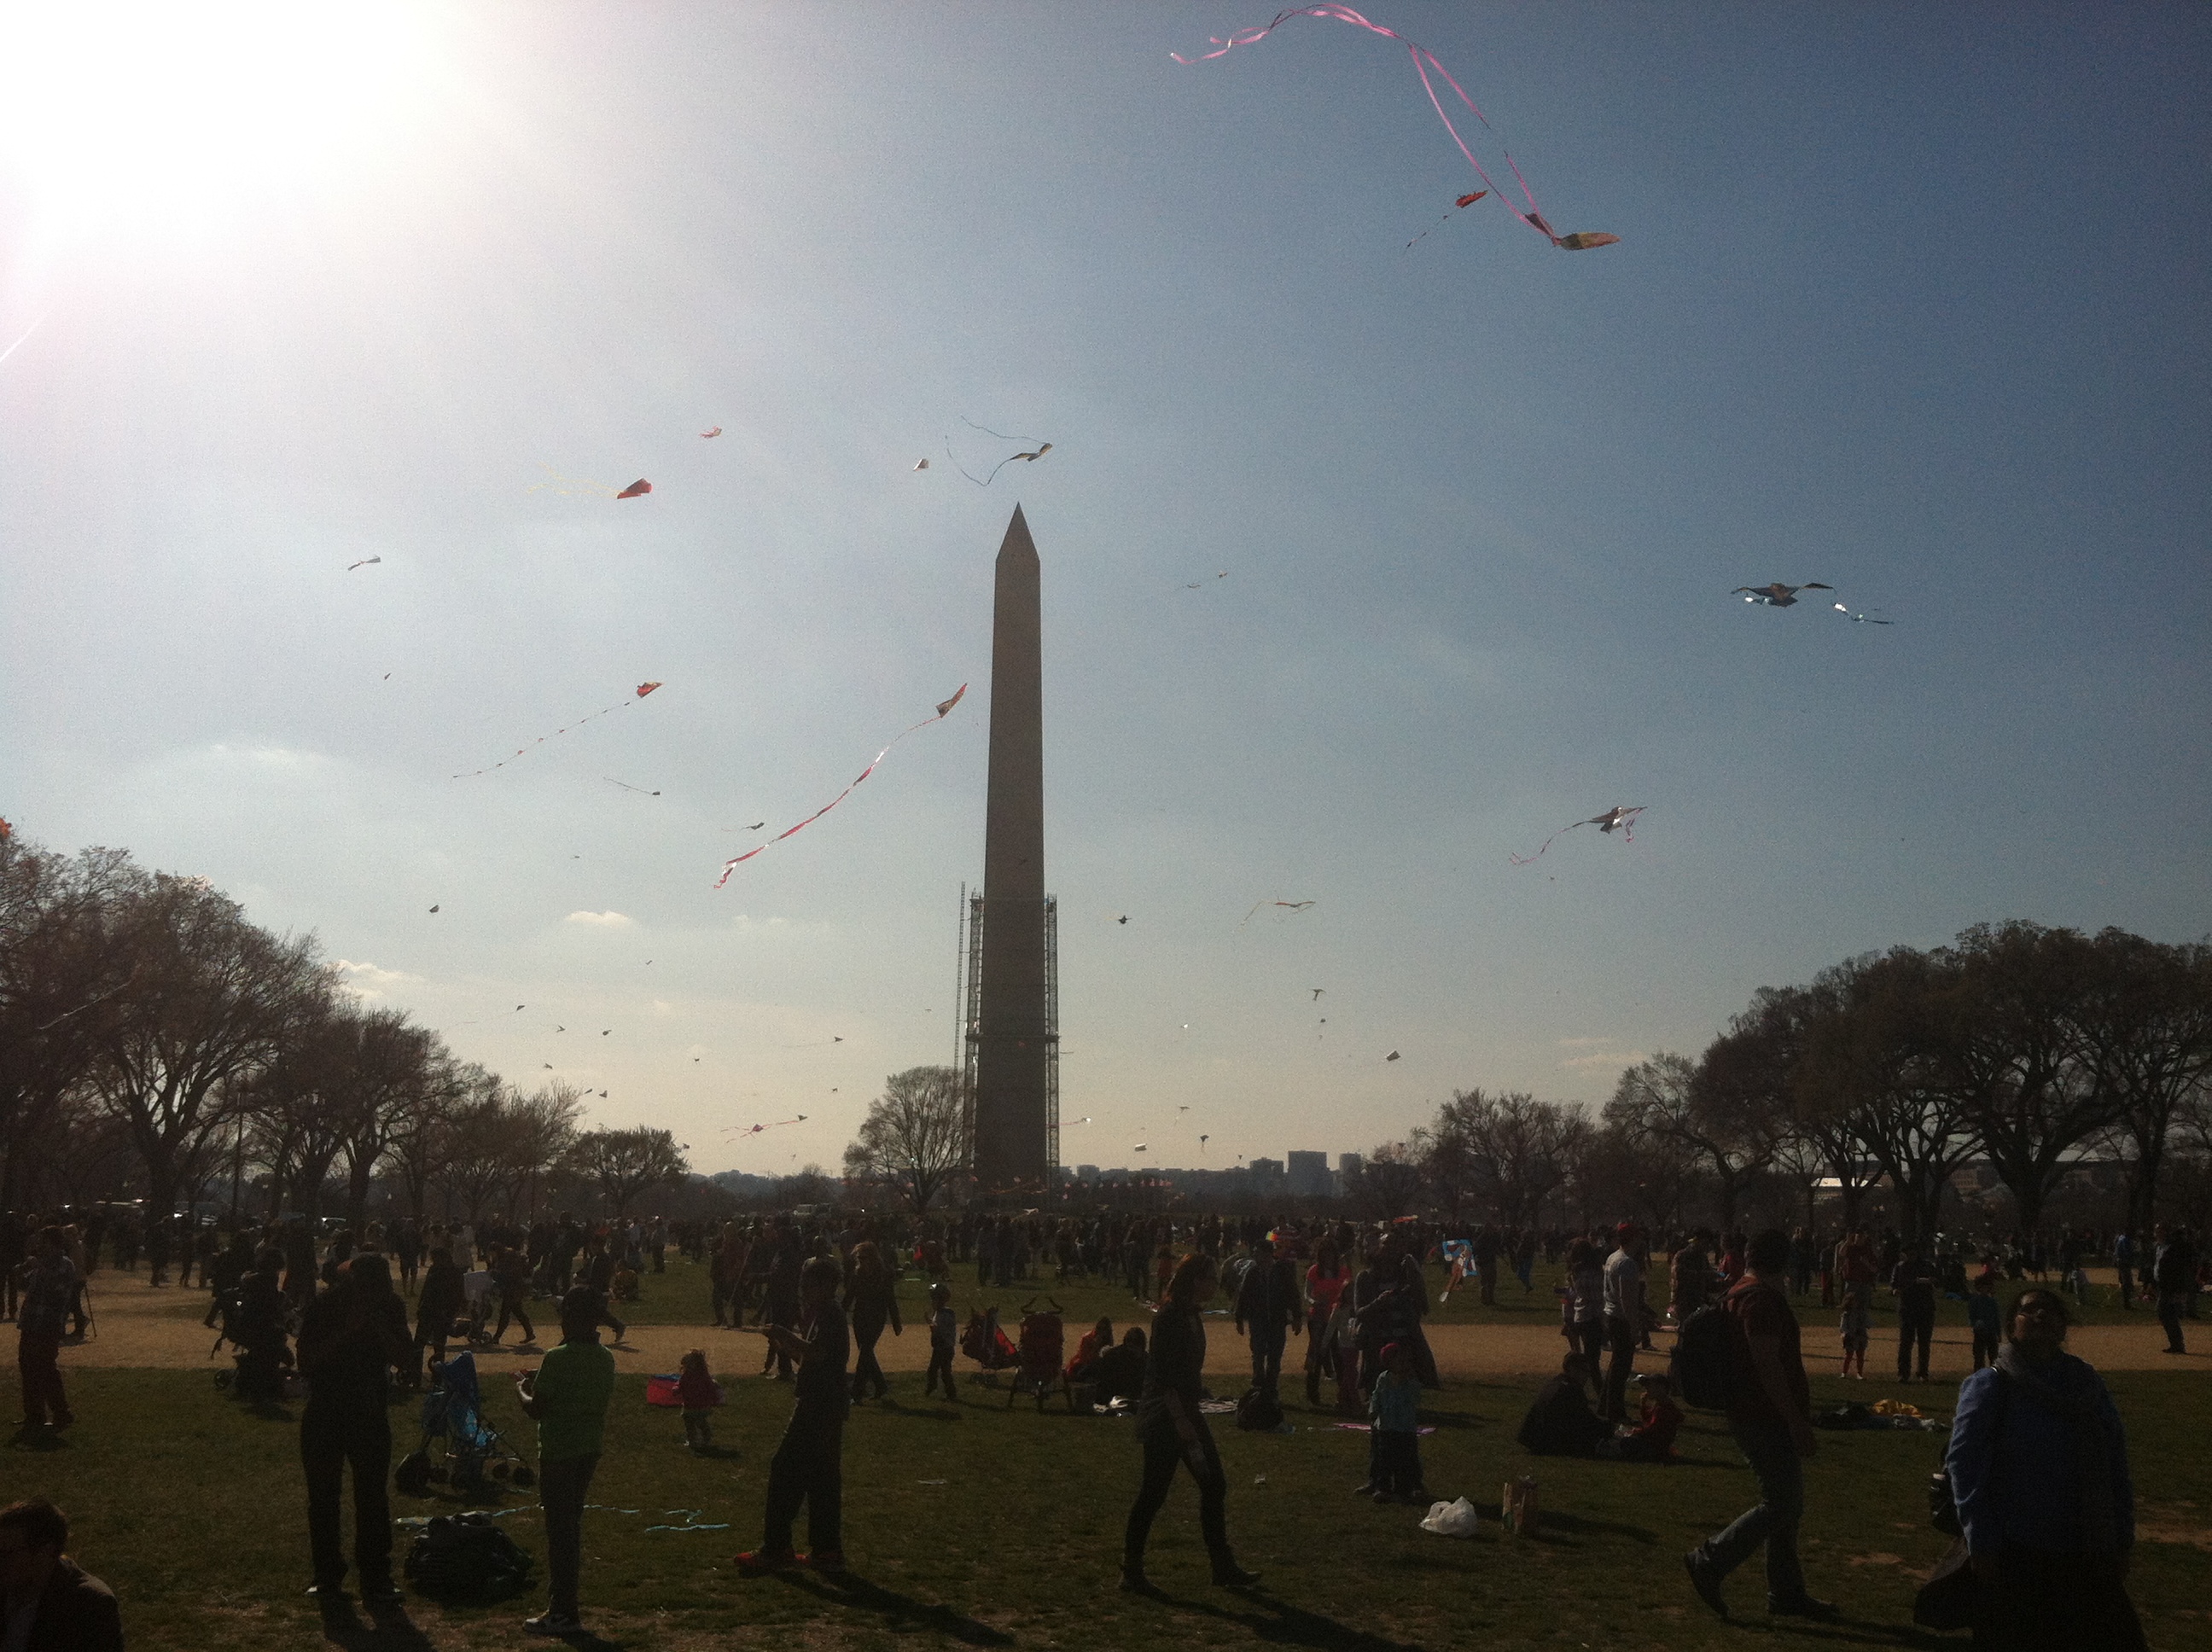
x=1278 y=1623
x=33 y=1436
x=906 y=1613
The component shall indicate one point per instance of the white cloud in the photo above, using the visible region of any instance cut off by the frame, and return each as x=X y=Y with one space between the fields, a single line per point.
x=1605 y=1059
x=369 y=982
x=603 y=919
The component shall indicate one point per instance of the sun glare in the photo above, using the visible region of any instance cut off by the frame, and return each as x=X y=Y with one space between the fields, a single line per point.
x=138 y=116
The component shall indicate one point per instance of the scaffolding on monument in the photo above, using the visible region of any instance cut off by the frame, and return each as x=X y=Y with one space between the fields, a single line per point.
x=971 y=1010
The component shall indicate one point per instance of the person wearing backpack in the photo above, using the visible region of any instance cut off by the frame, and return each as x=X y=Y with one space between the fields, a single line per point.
x=1770 y=1412
x=2037 y=1463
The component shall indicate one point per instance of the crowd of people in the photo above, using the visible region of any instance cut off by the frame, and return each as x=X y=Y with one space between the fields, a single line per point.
x=2038 y=1458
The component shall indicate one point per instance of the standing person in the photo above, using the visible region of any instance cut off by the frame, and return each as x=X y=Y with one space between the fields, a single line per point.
x=259 y=1329
x=2173 y=1276
x=442 y=1296
x=871 y=1298
x=1982 y=1318
x=1853 y=1325
x=1624 y=1313
x=697 y=1387
x=1394 y=1436
x=1172 y=1429
x=1267 y=1303
x=809 y=1465
x=50 y=1285
x=567 y=1397
x=2039 y=1465
x=1913 y=1279
x=48 y=1603
x=1582 y=1308
x=349 y=1338
x=1770 y=1414
x=943 y=1338
x=1325 y=1283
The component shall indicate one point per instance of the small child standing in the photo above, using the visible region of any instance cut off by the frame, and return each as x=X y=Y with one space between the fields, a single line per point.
x=1982 y=1318
x=1854 y=1325
x=1393 y=1441
x=697 y=1387
x=942 y=1340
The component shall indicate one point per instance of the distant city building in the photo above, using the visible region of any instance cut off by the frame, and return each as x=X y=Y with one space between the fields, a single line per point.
x=1308 y=1174
x=1086 y=1172
x=1348 y=1165
x=1266 y=1171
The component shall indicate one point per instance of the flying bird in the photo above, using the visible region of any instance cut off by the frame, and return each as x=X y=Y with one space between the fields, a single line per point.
x=1776 y=595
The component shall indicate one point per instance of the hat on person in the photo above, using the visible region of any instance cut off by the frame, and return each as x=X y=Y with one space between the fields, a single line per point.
x=1390 y=1352
x=1623 y=1229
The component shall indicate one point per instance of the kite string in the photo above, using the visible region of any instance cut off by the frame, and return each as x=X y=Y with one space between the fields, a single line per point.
x=1424 y=60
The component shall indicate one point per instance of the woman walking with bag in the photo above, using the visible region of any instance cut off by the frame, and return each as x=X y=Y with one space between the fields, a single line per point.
x=2039 y=1465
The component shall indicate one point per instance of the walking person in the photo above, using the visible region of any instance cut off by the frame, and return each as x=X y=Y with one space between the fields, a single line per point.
x=1172 y=1429
x=2173 y=1276
x=809 y=1465
x=512 y=1275
x=1326 y=1282
x=567 y=1397
x=942 y=1339
x=871 y=1299
x=50 y=1285
x=1770 y=1414
x=1624 y=1313
x=1268 y=1305
x=351 y=1338
x=2038 y=1467
x=443 y=1295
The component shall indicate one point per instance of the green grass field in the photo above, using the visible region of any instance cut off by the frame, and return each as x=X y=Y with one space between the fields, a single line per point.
x=985 y=1527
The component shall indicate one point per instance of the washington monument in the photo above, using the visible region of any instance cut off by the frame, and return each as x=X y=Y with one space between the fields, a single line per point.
x=1013 y=1032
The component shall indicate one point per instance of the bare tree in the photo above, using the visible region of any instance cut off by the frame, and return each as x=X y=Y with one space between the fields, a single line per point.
x=620 y=1164
x=1666 y=1099
x=912 y=1139
x=2146 y=1026
x=212 y=997
x=386 y=1067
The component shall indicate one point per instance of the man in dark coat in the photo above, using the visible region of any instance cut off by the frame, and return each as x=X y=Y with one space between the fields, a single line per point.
x=48 y=1603
x=1268 y=1305
x=349 y=1338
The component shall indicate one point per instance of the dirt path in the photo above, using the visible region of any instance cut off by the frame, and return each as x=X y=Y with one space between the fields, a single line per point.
x=135 y=1326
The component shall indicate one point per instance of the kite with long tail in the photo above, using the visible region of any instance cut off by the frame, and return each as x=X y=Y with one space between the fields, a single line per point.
x=1616 y=819
x=1424 y=61
x=643 y=689
x=1040 y=450
x=944 y=709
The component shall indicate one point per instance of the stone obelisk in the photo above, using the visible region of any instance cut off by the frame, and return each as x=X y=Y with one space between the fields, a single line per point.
x=1014 y=1023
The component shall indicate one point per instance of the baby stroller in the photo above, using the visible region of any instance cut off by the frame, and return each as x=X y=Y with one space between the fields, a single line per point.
x=472 y=1454
x=1042 y=1351
x=987 y=1344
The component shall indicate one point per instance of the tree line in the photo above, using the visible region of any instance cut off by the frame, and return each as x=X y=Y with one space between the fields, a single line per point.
x=153 y=1039
x=2032 y=1051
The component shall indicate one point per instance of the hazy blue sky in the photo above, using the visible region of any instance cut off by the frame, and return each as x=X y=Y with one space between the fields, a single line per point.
x=1910 y=300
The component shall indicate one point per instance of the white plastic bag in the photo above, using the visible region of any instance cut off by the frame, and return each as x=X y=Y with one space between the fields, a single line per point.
x=1451 y=1519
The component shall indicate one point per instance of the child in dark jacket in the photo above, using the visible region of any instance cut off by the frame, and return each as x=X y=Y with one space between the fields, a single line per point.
x=1393 y=1441
x=697 y=1387
x=942 y=1339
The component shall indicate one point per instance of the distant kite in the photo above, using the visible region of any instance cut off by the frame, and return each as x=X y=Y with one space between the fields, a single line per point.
x=364 y=562
x=627 y=786
x=24 y=340
x=1202 y=1140
x=944 y=709
x=709 y=435
x=3 y=834
x=922 y=465
x=1138 y=1148
x=1123 y=918
x=643 y=689
x=1460 y=205
x=1776 y=595
x=635 y=489
x=1040 y=449
x=1316 y=993
x=1860 y=619
x=755 y=1130
x=1201 y=584
x=1423 y=61
x=1392 y=1056
x=1616 y=819
x=572 y=487
x=1294 y=906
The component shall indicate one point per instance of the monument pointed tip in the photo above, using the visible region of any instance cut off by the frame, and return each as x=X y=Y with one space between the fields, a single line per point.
x=1018 y=542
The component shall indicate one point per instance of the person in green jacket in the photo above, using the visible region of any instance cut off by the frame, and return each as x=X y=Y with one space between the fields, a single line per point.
x=567 y=1396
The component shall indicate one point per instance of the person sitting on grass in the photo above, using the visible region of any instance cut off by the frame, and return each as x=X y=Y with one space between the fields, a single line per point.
x=809 y=1463
x=567 y=1397
x=1120 y=1370
x=697 y=1387
x=1561 y=1423
x=1097 y=1341
x=1652 y=1439
x=48 y=1603
x=1393 y=1439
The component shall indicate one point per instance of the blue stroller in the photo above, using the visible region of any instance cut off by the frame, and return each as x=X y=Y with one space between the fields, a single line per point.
x=472 y=1454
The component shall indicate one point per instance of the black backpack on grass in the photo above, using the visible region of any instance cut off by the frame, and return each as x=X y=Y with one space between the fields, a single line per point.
x=1710 y=1358
x=1259 y=1412
x=466 y=1555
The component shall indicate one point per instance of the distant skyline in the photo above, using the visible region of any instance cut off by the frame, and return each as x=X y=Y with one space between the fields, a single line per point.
x=1364 y=567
